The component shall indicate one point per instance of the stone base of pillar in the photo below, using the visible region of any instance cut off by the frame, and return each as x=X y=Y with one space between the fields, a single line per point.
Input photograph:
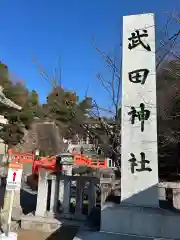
x=47 y=224
x=176 y=198
x=44 y=224
x=89 y=235
x=51 y=214
x=141 y=221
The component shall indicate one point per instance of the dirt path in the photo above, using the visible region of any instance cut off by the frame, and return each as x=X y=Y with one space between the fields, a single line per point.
x=32 y=235
x=63 y=233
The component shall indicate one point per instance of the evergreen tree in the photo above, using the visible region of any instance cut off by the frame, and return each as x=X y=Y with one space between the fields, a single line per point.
x=13 y=132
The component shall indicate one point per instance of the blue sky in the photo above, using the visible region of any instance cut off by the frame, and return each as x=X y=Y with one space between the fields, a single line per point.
x=46 y=29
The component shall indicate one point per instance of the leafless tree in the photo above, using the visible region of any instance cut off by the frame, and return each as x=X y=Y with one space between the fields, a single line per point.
x=112 y=86
x=167 y=48
x=55 y=80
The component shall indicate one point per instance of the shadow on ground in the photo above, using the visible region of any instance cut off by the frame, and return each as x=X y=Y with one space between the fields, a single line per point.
x=64 y=233
x=28 y=201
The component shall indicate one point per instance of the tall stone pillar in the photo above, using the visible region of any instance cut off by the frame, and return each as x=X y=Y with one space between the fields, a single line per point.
x=41 y=206
x=67 y=192
x=139 y=158
x=79 y=196
x=54 y=194
x=91 y=196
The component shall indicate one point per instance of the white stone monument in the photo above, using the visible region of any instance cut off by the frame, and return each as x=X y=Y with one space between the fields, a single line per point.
x=138 y=214
x=139 y=161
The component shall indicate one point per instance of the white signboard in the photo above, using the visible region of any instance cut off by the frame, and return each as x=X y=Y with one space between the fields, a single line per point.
x=14 y=177
x=139 y=163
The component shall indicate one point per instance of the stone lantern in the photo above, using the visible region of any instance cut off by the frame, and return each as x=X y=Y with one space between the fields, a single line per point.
x=66 y=160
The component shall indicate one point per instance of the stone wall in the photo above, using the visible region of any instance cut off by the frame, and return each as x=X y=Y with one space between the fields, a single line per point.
x=43 y=135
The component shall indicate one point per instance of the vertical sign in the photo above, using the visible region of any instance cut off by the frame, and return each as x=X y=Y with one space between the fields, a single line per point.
x=139 y=163
x=13 y=184
x=14 y=176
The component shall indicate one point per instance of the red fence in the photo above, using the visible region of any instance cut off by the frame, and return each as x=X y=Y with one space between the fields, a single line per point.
x=80 y=159
x=50 y=162
x=20 y=157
